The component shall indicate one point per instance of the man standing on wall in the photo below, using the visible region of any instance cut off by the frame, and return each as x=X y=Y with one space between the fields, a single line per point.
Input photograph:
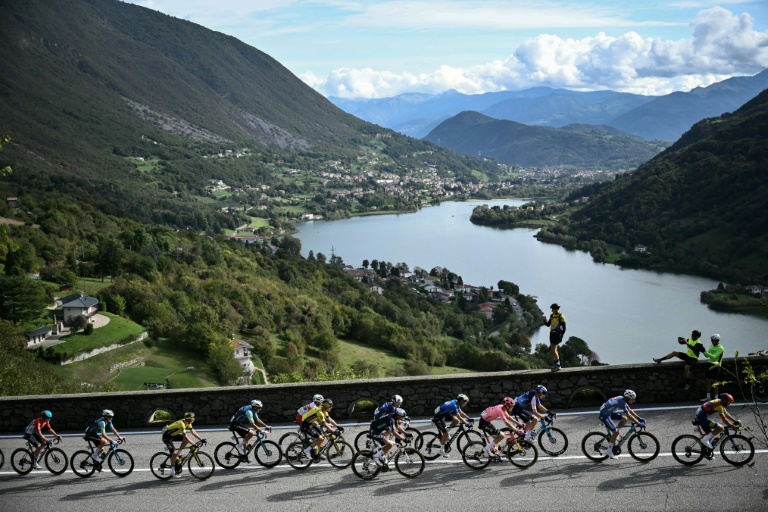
x=556 y=324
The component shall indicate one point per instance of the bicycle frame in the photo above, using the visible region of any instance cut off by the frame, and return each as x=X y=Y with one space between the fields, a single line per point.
x=251 y=447
x=622 y=438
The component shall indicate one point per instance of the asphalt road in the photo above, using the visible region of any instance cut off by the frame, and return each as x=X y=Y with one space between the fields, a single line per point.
x=569 y=482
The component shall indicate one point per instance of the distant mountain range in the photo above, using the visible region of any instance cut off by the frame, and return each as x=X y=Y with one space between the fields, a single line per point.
x=581 y=145
x=652 y=118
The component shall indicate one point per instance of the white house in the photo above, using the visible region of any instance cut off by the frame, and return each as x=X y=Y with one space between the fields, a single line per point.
x=78 y=305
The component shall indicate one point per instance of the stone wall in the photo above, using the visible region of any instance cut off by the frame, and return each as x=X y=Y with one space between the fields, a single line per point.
x=569 y=387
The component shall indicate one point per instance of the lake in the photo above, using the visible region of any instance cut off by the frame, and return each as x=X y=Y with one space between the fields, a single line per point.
x=626 y=316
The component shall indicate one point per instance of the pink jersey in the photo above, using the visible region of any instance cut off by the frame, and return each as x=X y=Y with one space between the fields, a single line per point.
x=493 y=413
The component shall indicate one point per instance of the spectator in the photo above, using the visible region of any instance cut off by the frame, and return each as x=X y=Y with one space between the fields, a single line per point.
x=556 y=324
x=715 y=355
x=690 y=357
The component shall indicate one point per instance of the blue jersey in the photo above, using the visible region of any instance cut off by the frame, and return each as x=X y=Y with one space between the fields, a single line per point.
x=385 y=410
x=527 y=399
x=383 y=424
x=448 y=410
x=615 y=404
x=245 y=415
x=99 y=426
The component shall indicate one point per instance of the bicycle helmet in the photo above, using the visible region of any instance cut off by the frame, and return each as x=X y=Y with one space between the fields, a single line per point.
x=108 y=412
x=397 y=399
x=726 y=398
x=630 y=395
x=317 y=398
x=715 y=337
x=509 y=401
x=46 y=414
x=400 y=412
x=462 y=398
x=541 y=389
x=328 y=402
x=189 y=415
x=554 y=305
x=257 y=403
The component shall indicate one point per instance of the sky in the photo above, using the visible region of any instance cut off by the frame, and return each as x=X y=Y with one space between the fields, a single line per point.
x=382 y=48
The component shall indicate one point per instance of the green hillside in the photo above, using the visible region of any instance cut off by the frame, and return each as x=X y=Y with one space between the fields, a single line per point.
x=700 y=206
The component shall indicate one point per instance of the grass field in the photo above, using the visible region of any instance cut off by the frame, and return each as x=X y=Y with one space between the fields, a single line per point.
x=92 y=285
x=160 y=361
x=117 y=329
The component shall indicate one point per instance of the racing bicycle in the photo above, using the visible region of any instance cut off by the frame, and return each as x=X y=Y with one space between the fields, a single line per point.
x=22 y=459
x=267 y=453
x=464 y=434
x=642 y=446
x=363 y=440
x=735 y=448
x=336 y=451
x=552 y=440
x=120 y=462
x=199 y=463
x=409 y=461
x=519 y=452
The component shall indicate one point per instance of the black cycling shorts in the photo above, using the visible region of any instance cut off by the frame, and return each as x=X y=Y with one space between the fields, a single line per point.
x=488 y=428
x=713 y=372
x=239 y=429
x=169 y=439
x=439 y=422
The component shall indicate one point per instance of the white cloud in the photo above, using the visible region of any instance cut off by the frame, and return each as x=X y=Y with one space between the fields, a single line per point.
x=721 y=45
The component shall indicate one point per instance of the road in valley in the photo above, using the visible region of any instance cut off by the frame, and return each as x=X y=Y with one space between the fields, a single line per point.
x=569 y=482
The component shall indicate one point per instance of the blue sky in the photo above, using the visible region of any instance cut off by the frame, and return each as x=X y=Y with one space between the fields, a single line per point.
x=381 y=48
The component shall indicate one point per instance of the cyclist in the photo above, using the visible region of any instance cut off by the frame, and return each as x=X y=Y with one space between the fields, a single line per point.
x=34 y=434
x=245 y=417
x=97 y=432
x=530 y=399
x=388 y=408
x=500 y=412
x=450 y=410
x=609 y=412
x=712 y=428
x=177 y=431
x=316 y=401
x=312 y=424
x=381 y=428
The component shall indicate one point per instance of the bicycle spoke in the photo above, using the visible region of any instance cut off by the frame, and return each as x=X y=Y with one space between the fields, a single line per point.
x=737 y=450
x=200 y=465
x=120 y=463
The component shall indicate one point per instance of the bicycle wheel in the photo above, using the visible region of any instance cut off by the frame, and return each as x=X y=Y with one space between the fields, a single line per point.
x=56 y=461
x=363 y=441
x=339 y=454
x=409 y=462
x=200 y=465
x=288 y=439
x=643 y=446
x=430 y=445
x=82 y=464
x=737 y=450
x=160 y=465
x=268 y=453
x=554 y=442
x=760 y=388
x=296 y=457
x=21 y=461
x=2 y=459
x=363 y=465
x=687 y=449
x=591 y=446
x=523 y=457
x=226 y=455
x=120 y=462
x=475 y=457
x=469 y=436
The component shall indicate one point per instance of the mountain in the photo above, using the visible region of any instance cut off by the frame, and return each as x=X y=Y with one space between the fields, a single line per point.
x=698 y=206
x=653 y=118
x=472 y=133
x=88 y=86
x=668 y=117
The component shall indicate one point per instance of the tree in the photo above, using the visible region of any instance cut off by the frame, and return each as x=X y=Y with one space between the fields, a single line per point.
x=109 y=259
x=77 y=323
x=5 y=171
x=21 y=299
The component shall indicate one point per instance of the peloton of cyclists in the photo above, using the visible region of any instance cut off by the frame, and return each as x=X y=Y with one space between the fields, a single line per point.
x=381 y=428
x=450 y=410
x=244 y=422
x=712 y=428
x=530 y=399
x=177 y=431
x=500 y=412
x=617 y=408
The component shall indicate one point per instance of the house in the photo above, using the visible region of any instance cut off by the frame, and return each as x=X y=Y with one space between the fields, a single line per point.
x=13 y=202
x=243 y=352
x=376 y=289
x=486 y=308
x=756 y=289
x=78 y=304
x=37 y=336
